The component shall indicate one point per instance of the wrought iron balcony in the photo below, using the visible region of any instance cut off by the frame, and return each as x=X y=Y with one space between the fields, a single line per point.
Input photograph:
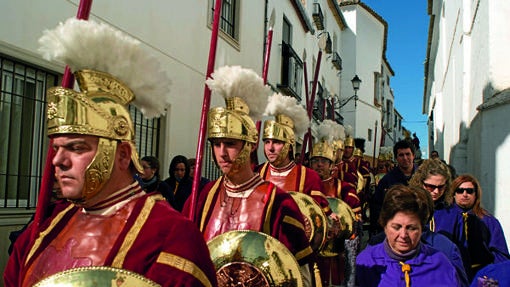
x=318 y=17
x=337 y=61
x=329 y=45
x=292 y=72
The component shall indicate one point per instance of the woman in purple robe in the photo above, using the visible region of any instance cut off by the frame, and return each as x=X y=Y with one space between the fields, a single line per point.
x=468 y=195
x=401 y=259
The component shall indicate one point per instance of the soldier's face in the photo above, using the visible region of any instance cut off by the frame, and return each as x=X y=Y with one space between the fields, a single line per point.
x=226 y=152
x=272 y=149
x=73 y=154
x=322 y=166
x=348 y=151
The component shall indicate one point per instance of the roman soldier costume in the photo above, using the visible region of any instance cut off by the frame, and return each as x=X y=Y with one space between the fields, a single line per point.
x=123 y=230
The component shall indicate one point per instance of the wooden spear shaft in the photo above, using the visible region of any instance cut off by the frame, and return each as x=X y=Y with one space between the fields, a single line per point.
x=205 y=109
x=308 y=137
x=307 y=102
x=267 y=56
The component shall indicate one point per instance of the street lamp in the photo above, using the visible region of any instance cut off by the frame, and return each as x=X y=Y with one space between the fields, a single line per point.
x=356 y=81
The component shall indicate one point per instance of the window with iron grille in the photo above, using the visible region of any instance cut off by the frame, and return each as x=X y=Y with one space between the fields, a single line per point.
x=146 y=133
x=209 y=168
x=292 y=72
x=229 y=22
x=24 y=141
x=318 y=106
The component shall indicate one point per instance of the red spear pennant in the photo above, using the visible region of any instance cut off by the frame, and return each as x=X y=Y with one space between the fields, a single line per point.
x=205 y=108
x=49 y=170
x=308 y=135
x=269 y=41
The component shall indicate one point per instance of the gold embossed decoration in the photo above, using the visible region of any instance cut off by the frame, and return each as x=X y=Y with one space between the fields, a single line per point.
x=99 y=170
x=250 y=258
x=96 y=276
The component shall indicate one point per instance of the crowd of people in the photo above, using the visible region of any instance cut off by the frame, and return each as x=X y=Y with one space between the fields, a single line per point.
x=403 y=224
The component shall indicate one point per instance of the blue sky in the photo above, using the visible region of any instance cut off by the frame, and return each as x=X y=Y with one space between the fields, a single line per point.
x=406 y=51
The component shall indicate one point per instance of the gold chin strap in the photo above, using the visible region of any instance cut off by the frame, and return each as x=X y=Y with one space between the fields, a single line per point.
x=282 y=156
x=242 y=158
x=99 y=170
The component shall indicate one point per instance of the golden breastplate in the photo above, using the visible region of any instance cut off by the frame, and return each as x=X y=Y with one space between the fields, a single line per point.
x=233 y=213
x=86 y=240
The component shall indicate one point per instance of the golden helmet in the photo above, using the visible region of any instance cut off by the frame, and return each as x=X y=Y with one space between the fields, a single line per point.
x=329 y=135
x=324 y=149
x=232 y=122
x=349 y=139
x=349 y=142
x=357 y=152
x=245 y=98
x=290 y=121
x=338 y=144
x=107 y=87
x=98 y=110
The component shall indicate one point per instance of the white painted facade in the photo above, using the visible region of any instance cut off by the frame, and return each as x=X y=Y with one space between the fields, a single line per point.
x=467 y=94
x=364 y=56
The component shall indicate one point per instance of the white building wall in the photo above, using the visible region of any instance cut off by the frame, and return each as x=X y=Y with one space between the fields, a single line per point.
x=468 y=92
x=364 y=58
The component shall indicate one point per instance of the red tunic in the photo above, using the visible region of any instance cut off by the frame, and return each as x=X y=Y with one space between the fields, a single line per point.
x=144 y=236
x=346 y=171
x=296 y=177
x=272 y=211
x=336 y=188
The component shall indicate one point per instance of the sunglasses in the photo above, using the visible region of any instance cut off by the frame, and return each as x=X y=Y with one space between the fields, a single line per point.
x=431 y=187
x=461 y=190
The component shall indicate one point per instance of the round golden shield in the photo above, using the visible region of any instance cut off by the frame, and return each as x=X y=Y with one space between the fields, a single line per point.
x=94 y=276
x=251 y=258
x=346 y=219
x=316 y=222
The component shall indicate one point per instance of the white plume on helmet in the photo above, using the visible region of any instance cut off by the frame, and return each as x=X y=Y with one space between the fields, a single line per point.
x=96 y=46
x=349 y=130
x=328 y=131
x=236 y=81
x=279 y=104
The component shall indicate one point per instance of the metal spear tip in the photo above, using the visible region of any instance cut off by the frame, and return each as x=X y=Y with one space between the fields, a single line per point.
x=304 y=54
x=323 y=38
x=272 y=19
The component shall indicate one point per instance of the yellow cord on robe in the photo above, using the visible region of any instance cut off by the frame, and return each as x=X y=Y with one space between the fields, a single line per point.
x=317 y=274
x=432 y=224
x=406 y=268
x=176 y=187
x=465 y=217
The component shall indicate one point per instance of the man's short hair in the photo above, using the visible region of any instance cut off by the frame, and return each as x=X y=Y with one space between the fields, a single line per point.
x=403 y=144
